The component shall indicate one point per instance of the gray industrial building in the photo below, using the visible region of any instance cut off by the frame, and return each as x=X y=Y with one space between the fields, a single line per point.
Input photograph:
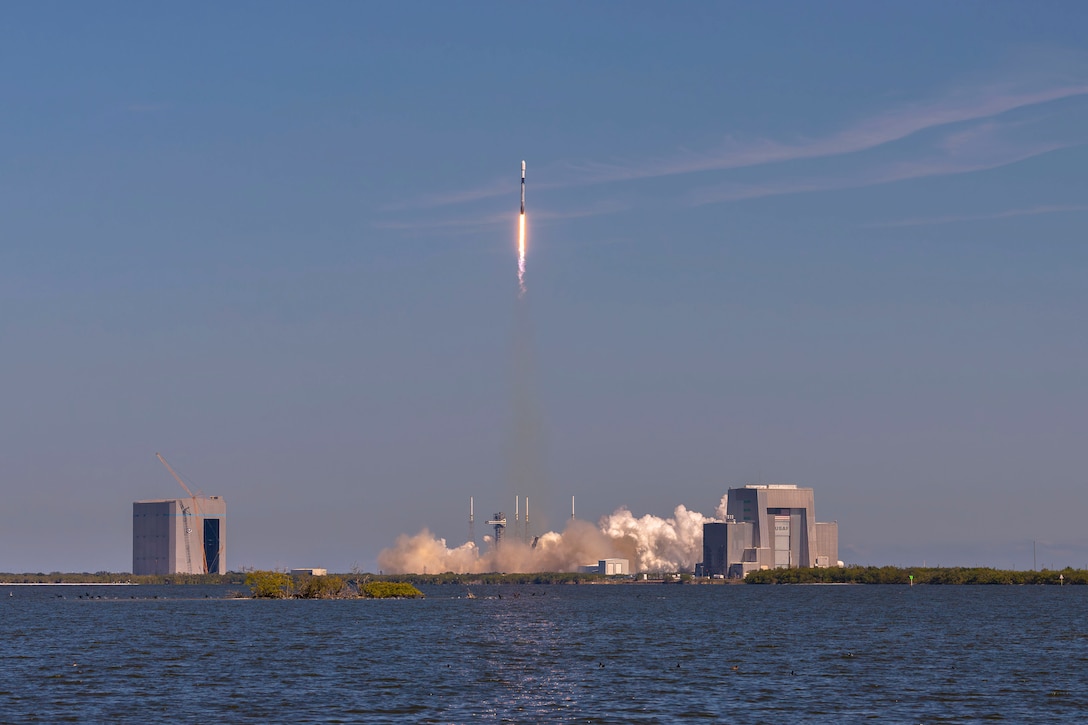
x=180 y=536
x=768 y=527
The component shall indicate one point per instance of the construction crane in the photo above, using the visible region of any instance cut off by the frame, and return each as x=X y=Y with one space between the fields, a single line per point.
x=187 y=513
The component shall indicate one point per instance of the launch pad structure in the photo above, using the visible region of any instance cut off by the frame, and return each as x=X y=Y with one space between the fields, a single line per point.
x=499 y=522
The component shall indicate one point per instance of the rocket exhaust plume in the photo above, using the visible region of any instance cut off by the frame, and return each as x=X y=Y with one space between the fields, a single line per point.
x=521 y=237
x=651 y=543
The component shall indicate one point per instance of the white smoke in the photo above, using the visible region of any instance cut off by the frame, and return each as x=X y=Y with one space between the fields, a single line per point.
x=672 y=544
x=425 y=553
x=650 y=543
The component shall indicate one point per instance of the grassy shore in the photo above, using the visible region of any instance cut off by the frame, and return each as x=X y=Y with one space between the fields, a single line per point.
x=919 y=575
x=844 y=575
x=239 y=578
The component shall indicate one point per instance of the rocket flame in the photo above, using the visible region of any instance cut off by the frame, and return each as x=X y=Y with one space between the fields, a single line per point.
x=521 y=255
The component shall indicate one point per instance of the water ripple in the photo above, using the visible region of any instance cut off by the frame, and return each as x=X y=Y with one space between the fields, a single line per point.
x=586 y=654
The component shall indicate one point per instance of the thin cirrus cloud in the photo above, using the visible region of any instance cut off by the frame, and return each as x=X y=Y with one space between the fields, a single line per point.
x=885 y=173
x=877 y=131
x=1007 y=214
x=464 y=196
x=884 y=128
x=473 y=223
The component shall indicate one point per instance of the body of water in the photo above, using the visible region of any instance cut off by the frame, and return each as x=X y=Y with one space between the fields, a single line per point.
x=645 y=653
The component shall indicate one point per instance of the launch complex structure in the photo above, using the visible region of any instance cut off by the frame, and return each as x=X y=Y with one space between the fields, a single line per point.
x=499 y=523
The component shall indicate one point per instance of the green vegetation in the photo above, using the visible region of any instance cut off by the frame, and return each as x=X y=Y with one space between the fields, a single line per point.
x=390 y=590
x=313 y=585
x=901 y=575
x=322 y=587
x=280 y=585
x=270 y=584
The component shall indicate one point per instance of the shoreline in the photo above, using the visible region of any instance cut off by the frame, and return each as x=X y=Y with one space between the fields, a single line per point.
x=906 y=576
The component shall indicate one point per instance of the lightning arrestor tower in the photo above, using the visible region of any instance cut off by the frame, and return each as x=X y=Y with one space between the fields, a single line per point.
x=471 y=523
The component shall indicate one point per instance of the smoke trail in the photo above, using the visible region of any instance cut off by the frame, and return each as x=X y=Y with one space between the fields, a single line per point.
x=526 y=473
x=650 y=543
x=526 y=460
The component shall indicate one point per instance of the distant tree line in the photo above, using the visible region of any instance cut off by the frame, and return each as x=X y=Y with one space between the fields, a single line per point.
x=105 y=577
x=494 y=578
x=242 y=578
x=325 y=587
x=902 y=575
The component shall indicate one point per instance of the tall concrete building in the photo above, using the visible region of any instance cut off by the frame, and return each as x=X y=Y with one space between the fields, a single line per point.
x=767 y=527
x=180 y=536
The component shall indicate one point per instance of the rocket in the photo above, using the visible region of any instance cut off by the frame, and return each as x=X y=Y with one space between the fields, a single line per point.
x=521 y=237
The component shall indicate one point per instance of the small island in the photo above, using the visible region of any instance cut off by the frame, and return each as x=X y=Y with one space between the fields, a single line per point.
x=280 y=585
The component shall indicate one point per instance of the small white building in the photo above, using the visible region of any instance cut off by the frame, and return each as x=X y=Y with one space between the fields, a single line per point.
x=612 y=567
x=309 y=572
x=608 y=567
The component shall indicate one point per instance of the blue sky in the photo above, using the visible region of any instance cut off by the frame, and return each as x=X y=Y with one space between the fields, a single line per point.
x=839 y=245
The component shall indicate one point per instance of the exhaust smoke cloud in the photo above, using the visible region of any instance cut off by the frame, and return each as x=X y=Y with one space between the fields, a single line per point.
x=650 y=543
